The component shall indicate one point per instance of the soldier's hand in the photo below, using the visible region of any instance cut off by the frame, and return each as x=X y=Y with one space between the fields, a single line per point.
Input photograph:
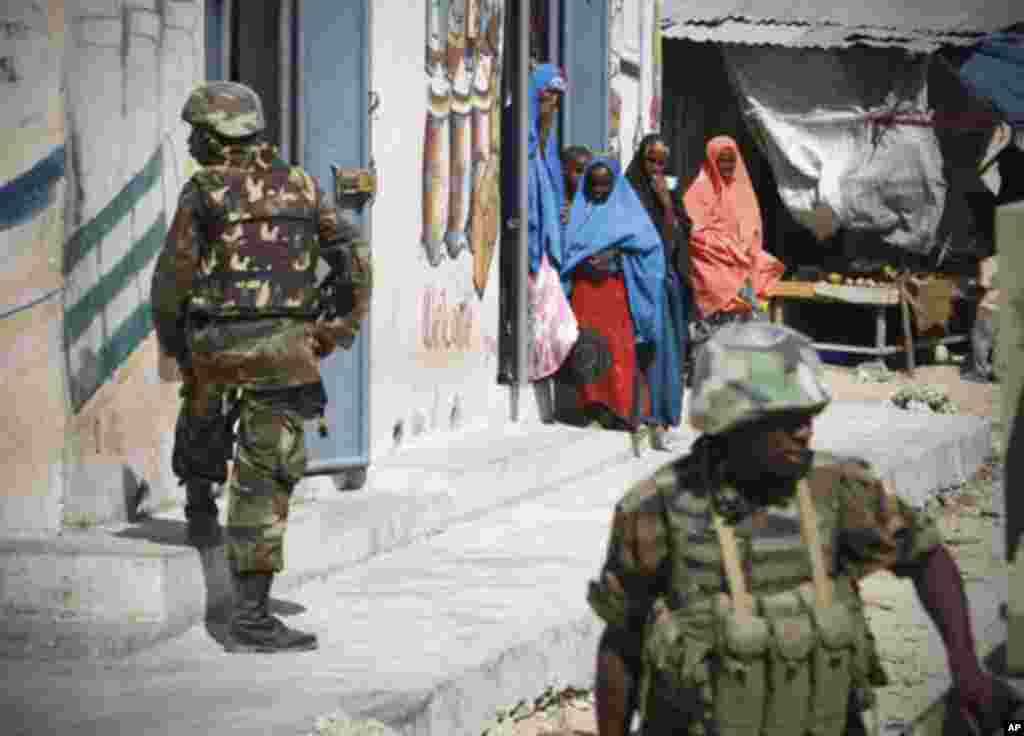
x=323 y=343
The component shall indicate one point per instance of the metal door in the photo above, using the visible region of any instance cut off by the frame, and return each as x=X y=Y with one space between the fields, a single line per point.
x=218 y=42
x=585 y=58
x=315 y=88
x=333 y=127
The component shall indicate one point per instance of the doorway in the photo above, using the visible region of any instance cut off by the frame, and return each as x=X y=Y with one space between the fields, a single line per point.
x=289 y=51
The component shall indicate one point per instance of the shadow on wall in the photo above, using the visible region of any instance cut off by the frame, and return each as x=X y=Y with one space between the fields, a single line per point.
x=106 y=490
x=86 y=379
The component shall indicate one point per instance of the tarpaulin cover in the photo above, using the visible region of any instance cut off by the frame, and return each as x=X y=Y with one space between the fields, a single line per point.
x=996 y=70
x=816 y=116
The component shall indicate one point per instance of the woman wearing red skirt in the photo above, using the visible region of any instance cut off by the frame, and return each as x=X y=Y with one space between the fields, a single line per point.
x=615 y=265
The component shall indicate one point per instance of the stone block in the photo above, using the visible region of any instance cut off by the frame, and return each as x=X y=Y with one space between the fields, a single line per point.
x=100 y=491
x=87 y=593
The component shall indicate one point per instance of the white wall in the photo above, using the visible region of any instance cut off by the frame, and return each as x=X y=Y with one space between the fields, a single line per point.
x=413 y=385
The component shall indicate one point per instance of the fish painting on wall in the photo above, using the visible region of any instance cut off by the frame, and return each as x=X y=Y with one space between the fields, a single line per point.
x=462 y=140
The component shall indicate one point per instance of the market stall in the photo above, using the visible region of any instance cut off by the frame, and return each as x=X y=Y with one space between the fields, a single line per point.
x=932 y=295
x=867 y=176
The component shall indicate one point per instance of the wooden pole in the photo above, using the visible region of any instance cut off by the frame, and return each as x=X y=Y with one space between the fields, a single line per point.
x=908 y=332
x=742 y=600
x=809 y=532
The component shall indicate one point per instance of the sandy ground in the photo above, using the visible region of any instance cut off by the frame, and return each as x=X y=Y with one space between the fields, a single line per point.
x=967 y=518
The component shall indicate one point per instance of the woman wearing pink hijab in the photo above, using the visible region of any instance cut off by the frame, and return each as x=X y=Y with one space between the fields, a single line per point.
x=730 y=272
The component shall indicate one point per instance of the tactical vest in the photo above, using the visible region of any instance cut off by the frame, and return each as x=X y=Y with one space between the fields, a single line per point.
x=262 y=247
x=785 y=662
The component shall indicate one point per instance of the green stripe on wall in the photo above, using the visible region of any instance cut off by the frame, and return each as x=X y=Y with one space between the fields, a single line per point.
x=99 y=227
x=126 y=338
x=80 y=315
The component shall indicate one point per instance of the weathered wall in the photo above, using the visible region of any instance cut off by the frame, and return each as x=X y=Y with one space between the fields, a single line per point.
x=130 y=66
x=91 y=110
x=90 y=102
x=31 y=225
x=433 y=364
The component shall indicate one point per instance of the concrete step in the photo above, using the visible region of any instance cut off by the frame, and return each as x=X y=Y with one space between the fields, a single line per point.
x=430 y=638
x=110 y=590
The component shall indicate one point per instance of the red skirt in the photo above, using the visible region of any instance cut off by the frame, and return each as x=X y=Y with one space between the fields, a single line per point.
x=601 y=306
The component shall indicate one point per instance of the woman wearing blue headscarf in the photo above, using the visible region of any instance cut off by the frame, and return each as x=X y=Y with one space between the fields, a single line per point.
x=615 y=263
x=553 y=328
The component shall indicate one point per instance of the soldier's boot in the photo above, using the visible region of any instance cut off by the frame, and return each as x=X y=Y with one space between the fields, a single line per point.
x=253 y=629
x=199 y=500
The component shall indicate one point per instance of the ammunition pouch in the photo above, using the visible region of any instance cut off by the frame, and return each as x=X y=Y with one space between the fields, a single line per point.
x=833 y=667
x=354 y=188
x=337 y=293
x=203 y=445
x=787 y=672
x=740 y=672
x=793 y=640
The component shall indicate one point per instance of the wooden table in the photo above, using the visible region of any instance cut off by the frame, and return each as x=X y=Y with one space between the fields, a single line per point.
x=879 y=298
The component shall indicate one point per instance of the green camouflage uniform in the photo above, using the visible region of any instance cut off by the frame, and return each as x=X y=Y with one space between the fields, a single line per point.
x=235 y=299
x=663 y=576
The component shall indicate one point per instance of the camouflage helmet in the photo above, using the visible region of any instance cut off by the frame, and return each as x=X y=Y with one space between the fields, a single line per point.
x=747 y=371
x=229 y=109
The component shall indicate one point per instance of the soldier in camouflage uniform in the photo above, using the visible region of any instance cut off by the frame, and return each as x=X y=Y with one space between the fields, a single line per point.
x=675 y=649
x=236 y=302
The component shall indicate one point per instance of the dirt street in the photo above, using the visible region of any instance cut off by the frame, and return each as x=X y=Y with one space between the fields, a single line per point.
x=966 y=516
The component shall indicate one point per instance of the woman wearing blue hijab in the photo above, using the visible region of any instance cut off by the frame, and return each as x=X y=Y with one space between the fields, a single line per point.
x=553 y=327
x=615 y=263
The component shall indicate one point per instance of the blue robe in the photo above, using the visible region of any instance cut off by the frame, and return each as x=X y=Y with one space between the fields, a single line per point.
x=665 y=373
x=621 y=222
x=546 y=185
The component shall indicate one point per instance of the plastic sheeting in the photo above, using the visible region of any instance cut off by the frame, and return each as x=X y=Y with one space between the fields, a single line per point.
x=815 y=116
x=996 y=70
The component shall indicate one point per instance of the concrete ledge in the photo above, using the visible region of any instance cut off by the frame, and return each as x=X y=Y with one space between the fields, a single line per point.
x=114 y=589
x=111 y=590
x=564 y=654
x=918 y=452
x=85 y=593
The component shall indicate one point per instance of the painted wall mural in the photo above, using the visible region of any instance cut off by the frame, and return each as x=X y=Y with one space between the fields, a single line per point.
x=33 y=156
x=461 y=161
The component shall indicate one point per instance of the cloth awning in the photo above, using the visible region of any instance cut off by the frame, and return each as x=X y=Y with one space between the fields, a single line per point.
x=836 y=160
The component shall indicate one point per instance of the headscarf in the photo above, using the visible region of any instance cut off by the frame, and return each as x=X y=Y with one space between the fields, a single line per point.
x=642 y=183
x=726 y=242
x=620 y=222
x=546 y=184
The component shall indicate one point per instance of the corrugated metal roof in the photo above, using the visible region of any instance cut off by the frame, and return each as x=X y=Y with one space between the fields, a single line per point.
x=949 y=16
x=804 y=36
x=913 y=24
